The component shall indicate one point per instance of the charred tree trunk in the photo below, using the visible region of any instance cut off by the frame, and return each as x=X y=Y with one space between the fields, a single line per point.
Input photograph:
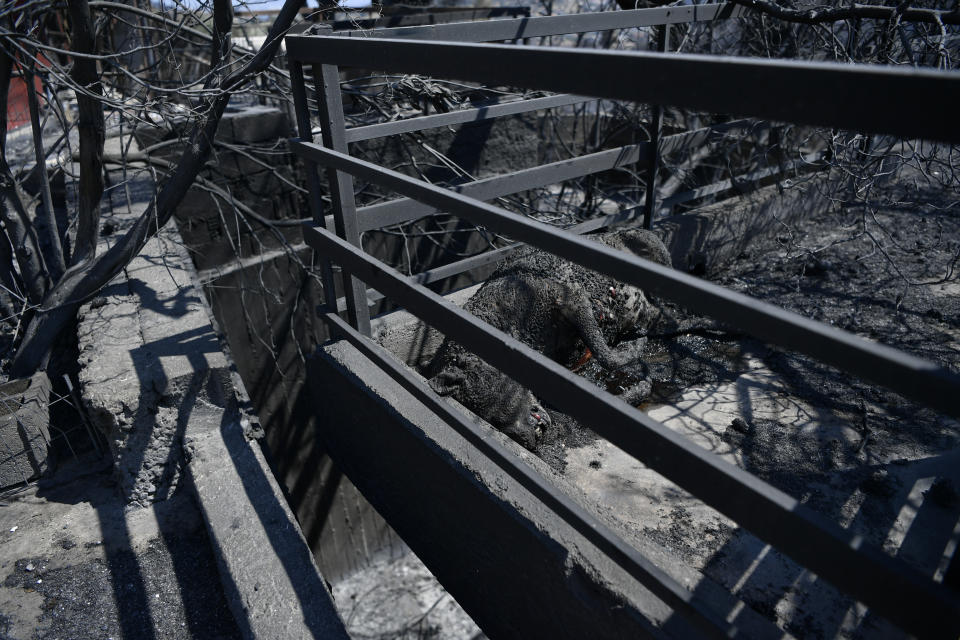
x=92 y=134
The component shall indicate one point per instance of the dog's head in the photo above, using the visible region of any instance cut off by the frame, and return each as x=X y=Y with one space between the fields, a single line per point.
x=645 y=244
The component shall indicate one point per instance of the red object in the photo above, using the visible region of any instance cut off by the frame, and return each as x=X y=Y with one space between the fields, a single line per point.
x=584 y=359
x=18 y=109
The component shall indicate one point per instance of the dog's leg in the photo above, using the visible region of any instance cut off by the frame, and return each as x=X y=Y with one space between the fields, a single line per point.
x=447 y=382
x=578 y=311
x=637 y=393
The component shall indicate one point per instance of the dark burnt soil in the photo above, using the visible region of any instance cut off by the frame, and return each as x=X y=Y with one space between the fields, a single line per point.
x=76 y=563
x=78 y=601
x=856 y=452
x=889 y=275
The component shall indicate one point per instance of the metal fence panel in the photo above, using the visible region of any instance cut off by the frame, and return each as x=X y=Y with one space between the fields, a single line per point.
x=543 y=26
x=915 y=104
x=916 y=378
x=477 y=114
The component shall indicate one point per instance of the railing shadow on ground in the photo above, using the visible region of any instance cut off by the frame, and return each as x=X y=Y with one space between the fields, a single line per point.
x=159 y=444
x=894 y=505
x=268 y=335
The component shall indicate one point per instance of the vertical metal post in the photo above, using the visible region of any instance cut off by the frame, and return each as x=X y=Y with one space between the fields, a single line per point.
x=305 y=132
x=653 y=153
x=333 y=127
x=775 y=144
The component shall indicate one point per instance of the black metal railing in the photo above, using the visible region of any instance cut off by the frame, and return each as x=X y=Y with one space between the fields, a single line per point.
x=642 y=156
x=903 y=102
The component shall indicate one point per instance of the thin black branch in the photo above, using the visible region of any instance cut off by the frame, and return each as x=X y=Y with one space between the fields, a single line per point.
x=14 y=204
x=820 y=15
x=55 y=260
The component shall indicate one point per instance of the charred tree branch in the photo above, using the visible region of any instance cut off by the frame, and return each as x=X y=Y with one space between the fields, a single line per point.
x=14 y=204
x=855 y=11
x=79 y=285
x=222 y=23
x=56 y=262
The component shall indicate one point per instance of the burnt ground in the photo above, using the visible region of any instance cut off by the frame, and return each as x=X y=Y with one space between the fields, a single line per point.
x=905 y=293
x=852 y=450
x=76 y=562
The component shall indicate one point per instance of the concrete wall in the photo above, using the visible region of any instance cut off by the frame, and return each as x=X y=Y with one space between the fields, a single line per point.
x=266 y=308
x=265 y=312
x=517 y=569
x=269 y=336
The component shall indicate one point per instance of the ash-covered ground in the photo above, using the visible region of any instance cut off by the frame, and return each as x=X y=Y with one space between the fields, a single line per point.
x=864 y=456
x=899 y=285
x=399 y=599
x=77 y=563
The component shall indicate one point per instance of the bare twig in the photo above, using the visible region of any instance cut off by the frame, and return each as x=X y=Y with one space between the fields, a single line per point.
x=821 y=15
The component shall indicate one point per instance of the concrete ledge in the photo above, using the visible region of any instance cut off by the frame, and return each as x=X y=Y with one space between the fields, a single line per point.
x=147 y=349
x=514 y=566
x=157 y=383
x=413 y=342
x=273 y=587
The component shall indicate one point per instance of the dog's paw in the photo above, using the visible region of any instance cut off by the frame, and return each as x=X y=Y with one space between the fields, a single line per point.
x=637 y=393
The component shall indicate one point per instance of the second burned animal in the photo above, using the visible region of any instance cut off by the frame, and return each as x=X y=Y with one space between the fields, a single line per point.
x=556 y=307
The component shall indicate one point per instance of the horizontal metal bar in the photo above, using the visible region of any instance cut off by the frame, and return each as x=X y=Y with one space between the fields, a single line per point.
x=540 y=26
x=498 y=255
x=698 y=137
x=477 y=114
x=458 y=267
x=916 y=378
x=587 y=525
x=401 y=210
x=747 y=178
x=443 y=16
x=406 y=10
x=896 y=590
x=906 y=102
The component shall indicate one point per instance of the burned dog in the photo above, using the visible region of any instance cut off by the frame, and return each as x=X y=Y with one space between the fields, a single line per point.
x=559 y=308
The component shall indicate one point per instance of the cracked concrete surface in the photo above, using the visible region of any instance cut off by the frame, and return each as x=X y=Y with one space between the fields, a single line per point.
x=147 y=353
